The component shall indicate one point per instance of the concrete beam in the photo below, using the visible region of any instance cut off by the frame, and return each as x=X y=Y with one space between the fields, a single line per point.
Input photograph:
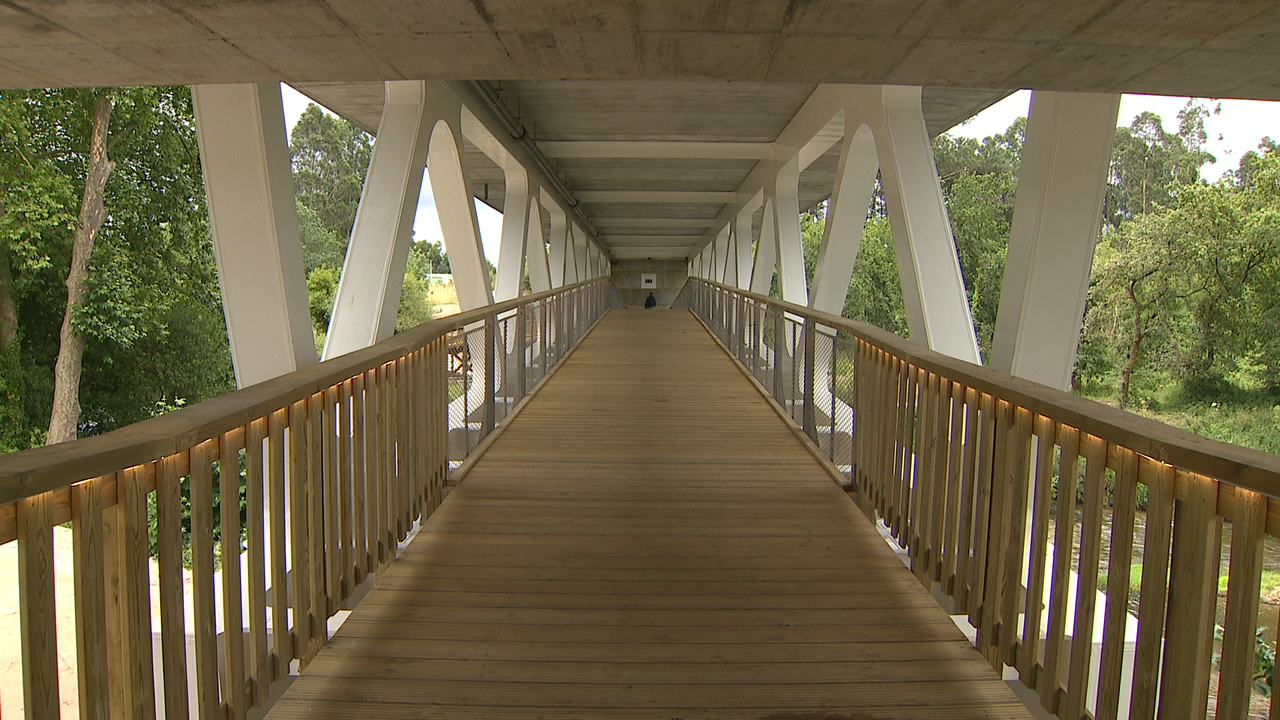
x=656 y=196
x=656 y=150
x=846 y=218
x=1056 y=218
x=515 y=231
x=254 y=221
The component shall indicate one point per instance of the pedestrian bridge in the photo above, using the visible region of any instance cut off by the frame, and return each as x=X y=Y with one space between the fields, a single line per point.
x=648 y=538
x=671 y=518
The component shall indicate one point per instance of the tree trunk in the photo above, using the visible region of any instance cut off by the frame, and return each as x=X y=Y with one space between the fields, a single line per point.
x=66 y=372
x=8 y=306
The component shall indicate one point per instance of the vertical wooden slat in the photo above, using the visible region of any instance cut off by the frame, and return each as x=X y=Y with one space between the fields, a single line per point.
x=1113 y=636
x=377 y=469
x=282 y=639
x=402 y=450
x=917 y=532
x=906 y=443
x=315 y=525
x=91 y=602
x=887 y=421
x=299 y=550
x=1193 y=588
x=235 y=691
x=1235 y=687
x=997 y=533
x=1060 y=582
x=329 y=479
x=893 y=517
x=359 y=478
x=135 y=588
x=941 y=450
x=968 y=492
x=346 y=524
x=1095 y=467
x=1012 y=569
x=1158 y=478
x=954 y=499
x=255 y=557
x=1029 y=657
x=982 y=505
x=173 y=632
x=203 y=610
x=36 y=607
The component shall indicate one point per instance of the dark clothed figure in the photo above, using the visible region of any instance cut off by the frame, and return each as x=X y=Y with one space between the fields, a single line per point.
x=650 y=302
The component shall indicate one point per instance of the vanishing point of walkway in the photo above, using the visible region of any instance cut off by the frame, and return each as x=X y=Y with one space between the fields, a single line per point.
x=647 y=539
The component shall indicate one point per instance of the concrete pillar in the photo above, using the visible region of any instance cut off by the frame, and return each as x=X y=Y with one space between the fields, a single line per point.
x=933 y=289
x=766 y=252
x=580 y=243
x=743 y=237
x=536 y=250
x=453 y=199
x=559 y=238
x=254 y=220
x=571 y=255
x=515 y=231
x=1065 y=165
x=785 y=195
x=720 y=257
x=846 y=217
x=364 y=309
x=731 y=263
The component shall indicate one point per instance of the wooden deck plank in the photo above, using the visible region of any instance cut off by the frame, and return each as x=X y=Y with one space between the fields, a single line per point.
x=647 y=539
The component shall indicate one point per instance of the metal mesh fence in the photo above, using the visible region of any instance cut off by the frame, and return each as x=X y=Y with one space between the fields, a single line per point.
x=496 y=363
x=806 y=366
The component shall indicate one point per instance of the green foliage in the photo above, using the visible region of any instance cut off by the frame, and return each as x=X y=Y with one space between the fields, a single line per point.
x=1264 y=660
x=875 y=290
x=152 y=314
x=330 y=159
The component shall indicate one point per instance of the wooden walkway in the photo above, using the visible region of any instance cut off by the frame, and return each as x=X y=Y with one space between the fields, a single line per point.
x=647 y=539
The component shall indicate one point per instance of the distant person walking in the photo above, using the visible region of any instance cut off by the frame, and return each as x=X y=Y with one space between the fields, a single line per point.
x=650 y=302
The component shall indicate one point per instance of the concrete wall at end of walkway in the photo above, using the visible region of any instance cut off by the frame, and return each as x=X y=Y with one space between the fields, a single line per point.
x=671 y=275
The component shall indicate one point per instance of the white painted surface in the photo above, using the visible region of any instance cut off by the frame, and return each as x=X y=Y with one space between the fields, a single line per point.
x=846 y=217
x=254 y=221
x=1056 y=218
x=364 y=308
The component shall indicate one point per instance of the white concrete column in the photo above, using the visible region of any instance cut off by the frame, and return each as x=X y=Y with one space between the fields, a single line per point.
x=515 y=231
x=846 y=218
x=743 y=238
x=785 y=194
x=364 y=309
x=580 y=243
x=571 y=275
x=1057 y=213
x=536 y=250
x=720 y=256
x=731 y=263
x=254 y=220
x=766 y=252
x=559 y=238
x=454 y=205
x=932 y=287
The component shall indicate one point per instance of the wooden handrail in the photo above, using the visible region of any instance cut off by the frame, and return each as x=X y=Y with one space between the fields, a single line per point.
x=38 y=470
x=1240 y=466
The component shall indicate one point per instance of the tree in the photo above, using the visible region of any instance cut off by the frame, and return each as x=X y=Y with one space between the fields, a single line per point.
x=330 y=159
x=149 y=312
x=1149 y=165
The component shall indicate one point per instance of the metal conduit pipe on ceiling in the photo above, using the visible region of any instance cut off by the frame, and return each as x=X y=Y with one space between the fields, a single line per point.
x=492 y=101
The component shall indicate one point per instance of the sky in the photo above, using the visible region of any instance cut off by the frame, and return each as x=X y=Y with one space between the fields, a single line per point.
x=1234 y=128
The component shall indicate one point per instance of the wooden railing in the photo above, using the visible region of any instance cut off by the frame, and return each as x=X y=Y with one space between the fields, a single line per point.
x=981 y=477
x=338 y=461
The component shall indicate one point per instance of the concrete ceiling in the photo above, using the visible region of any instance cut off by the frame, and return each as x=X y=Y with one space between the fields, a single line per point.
x=1220 y=48
x=653 y=162
x=602 y=84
